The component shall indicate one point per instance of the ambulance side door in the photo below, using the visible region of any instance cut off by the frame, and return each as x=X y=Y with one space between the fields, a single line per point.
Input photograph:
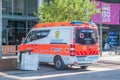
x=30 y=41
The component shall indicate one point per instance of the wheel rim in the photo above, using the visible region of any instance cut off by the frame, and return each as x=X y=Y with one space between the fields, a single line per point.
x=58 y=64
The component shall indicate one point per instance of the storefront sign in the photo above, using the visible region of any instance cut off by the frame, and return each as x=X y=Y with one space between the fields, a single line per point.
x=109 y=14
x=113 y=38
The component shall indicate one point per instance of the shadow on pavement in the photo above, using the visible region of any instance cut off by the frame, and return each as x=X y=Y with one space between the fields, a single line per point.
x=69 y=74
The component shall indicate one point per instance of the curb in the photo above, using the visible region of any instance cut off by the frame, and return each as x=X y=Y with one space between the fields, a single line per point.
x=109 y=62
x=8 y=64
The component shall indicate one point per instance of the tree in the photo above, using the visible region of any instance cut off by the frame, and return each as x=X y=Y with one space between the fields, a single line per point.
x=67 y=10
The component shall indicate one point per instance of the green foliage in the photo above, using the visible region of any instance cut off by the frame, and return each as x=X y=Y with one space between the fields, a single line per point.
x=67 y=10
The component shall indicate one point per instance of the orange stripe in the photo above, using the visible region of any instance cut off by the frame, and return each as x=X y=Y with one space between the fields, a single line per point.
x=47 y=48
x=57 y=49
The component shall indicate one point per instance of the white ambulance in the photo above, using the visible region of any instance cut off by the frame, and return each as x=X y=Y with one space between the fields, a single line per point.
x=64 y=43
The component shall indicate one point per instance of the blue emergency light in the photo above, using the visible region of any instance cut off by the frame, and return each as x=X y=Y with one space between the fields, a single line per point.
x=92 y=23
x=81 y=22
x=77 y=23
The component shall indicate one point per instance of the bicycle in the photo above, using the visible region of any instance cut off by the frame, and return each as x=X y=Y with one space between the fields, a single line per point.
x=118 y=50
x=114 y=50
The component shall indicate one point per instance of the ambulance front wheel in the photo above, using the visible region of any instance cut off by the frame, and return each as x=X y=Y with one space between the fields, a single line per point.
x=59 y=64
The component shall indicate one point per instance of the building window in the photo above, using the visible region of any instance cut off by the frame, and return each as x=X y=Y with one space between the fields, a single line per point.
x=19 y=7
x=48 y=1
x=7 y=7
x=32 y=7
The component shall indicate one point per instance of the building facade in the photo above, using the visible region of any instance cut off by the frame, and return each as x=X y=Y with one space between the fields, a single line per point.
x=17 y=19
x=110 y=20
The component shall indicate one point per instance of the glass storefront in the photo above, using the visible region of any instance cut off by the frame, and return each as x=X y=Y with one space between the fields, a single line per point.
x=111 y=35
x=14 y=27
x=16 y=31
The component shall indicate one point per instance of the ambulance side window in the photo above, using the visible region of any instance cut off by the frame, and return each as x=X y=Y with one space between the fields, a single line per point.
x=31 y=36
x=42 y=34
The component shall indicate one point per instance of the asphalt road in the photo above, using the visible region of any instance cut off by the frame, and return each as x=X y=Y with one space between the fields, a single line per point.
x=99 y=71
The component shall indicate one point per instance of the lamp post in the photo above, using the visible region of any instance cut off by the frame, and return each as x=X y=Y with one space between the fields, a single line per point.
x=0 y=29
x=101 y=34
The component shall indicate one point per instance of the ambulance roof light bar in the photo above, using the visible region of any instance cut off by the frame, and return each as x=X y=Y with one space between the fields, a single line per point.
x=77 y=23
x=80 y=22
x=92 y=23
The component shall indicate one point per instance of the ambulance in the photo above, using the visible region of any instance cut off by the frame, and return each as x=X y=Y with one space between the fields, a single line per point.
x=64 y=43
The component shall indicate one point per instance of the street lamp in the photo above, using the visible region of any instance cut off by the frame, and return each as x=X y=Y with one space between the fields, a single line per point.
x=0 y=29
x=7 y=32
x=101 y=34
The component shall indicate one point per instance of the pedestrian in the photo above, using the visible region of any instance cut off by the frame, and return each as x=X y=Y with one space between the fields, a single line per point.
x=4 y=41
x=23 y=39
x=107 y=46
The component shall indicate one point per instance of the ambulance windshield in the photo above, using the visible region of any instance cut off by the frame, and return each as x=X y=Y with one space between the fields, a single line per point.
x=86 y=36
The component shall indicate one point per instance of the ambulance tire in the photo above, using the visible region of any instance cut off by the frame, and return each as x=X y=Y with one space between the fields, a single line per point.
x=59 y=64
x=83 y=67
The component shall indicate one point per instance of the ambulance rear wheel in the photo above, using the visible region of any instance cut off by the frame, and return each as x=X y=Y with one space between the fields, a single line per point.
x=83 y=67
x=59 y=64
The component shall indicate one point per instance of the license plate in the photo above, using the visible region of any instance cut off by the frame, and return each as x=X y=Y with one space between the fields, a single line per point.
x=81 y=58
x=93 y=58
x=87 y=58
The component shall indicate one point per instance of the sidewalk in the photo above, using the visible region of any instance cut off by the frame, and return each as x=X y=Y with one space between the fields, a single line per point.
x=9 y=56
x=106 y=58
x=110 y=59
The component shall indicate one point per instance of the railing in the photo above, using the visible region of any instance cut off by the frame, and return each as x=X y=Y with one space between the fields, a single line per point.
x=9 y=49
